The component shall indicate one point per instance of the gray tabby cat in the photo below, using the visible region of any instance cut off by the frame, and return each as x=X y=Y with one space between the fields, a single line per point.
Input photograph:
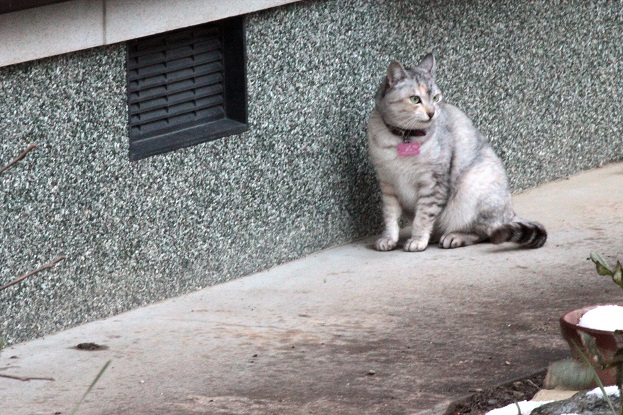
x=435 y=167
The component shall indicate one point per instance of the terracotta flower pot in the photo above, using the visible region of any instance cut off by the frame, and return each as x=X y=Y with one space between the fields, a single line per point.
x=599 y=346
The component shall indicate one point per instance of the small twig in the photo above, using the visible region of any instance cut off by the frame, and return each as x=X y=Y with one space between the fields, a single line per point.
x=18 y=158
x=31 y=273
x=24 y=379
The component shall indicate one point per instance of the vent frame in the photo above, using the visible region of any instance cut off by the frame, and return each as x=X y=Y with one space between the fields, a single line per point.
x=186 y=87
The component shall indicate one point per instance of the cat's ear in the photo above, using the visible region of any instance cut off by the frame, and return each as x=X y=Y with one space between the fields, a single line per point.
x=395 y=73
x=428 y=63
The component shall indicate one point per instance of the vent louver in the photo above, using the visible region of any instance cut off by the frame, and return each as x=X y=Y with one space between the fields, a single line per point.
x=186 y=87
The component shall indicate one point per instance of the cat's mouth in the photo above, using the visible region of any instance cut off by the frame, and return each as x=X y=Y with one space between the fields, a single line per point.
x=424 y=123
x=419 y=119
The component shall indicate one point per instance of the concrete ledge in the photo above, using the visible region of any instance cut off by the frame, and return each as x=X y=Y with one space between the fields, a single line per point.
x=130 y=19
x=50 y=30
x=81 y=24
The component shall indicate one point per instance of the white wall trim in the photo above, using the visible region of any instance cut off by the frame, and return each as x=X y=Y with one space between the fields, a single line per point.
x=81 y=24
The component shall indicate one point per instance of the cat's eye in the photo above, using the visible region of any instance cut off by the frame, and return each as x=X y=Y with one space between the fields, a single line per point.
x=437 y=98
x=415 y=99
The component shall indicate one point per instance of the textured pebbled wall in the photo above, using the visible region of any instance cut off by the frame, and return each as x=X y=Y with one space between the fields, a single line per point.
x=542 y=80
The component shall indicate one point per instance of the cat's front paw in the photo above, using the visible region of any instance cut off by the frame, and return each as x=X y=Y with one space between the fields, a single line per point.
x=415 y=245
x=385 y=244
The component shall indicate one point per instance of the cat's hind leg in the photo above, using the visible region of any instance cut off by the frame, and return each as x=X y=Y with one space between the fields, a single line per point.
x=458 y=239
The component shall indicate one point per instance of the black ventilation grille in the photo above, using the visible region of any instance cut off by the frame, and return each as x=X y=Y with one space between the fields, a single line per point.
x=186 y=87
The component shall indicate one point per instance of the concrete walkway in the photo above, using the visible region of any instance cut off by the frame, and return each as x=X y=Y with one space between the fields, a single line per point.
x=344 y=331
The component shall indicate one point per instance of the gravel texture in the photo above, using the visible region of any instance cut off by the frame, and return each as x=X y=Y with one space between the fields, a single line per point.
x=542 y=80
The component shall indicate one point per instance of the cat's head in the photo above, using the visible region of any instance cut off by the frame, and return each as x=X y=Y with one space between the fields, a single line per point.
x=409 y=97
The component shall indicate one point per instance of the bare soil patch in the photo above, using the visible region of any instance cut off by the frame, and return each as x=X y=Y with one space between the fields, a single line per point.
x=496 y=397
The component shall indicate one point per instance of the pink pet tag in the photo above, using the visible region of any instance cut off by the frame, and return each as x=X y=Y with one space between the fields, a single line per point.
x=408 y=149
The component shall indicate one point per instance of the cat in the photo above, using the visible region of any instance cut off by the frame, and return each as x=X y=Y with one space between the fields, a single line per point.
x=437 y=169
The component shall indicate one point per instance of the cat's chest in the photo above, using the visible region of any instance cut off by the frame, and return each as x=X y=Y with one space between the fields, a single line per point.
x=408 y=175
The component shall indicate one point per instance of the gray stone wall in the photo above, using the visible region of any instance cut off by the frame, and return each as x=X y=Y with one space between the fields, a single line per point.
x=542 y=80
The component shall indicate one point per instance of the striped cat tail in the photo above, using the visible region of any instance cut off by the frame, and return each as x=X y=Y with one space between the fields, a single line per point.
x=527 y=234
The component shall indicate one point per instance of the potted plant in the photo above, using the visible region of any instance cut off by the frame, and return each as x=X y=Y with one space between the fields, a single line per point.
x=595 y=333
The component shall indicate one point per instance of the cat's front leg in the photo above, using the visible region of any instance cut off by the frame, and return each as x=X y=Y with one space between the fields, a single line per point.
x=391 y=215
x=430 y=204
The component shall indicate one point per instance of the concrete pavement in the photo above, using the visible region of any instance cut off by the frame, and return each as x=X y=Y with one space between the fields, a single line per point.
x=345 y=331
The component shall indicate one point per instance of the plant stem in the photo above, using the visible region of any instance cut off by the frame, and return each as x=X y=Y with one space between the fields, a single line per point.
x=97 y=378
x=597 y=380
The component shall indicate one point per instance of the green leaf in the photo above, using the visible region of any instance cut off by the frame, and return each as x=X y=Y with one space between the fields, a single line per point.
x=617 y=276
x=602 y=265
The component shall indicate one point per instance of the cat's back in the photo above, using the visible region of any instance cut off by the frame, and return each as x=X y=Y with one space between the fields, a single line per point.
x=459 y=128
x=468 y=143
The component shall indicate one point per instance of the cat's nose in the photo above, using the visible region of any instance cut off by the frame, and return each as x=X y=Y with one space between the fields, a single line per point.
x=430 y=114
